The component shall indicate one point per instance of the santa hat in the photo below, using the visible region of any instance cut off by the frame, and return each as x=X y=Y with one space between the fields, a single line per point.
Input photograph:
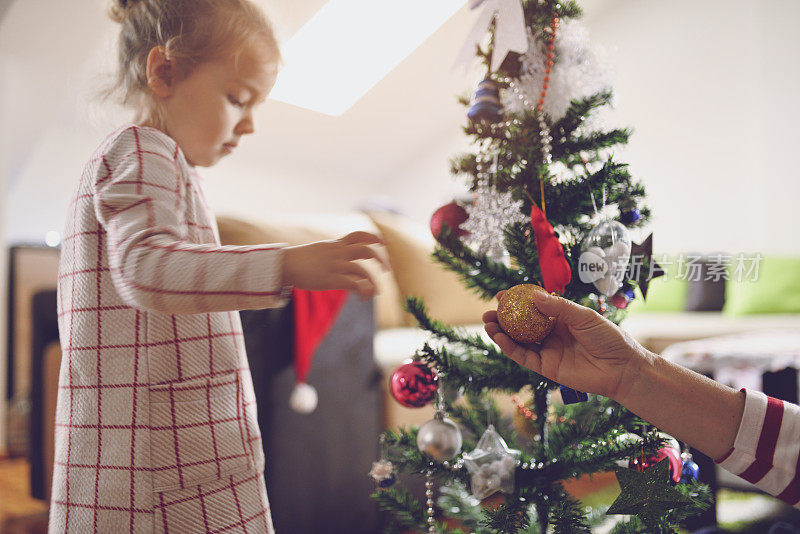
x=315 y=312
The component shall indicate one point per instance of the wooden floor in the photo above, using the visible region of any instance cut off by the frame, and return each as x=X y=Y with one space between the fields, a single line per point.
x=19 y=512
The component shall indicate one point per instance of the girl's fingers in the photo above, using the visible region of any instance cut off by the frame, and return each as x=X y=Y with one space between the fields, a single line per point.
x=363 y=252
x=363 y=238
x=358 y=271
x=489 y=317
x=342 y=281
x=500 y=294
x=363 y=287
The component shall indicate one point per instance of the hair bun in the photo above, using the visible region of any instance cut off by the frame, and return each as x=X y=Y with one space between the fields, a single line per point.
x=118 y=9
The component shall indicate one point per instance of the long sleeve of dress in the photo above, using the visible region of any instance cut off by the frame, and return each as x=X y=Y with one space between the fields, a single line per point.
x=766 y=451
x=140 y=200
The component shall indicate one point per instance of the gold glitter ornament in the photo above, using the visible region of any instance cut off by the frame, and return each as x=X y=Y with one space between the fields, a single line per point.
x=519 y=317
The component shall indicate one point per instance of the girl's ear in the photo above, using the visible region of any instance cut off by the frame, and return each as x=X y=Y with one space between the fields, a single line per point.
x=160 y=73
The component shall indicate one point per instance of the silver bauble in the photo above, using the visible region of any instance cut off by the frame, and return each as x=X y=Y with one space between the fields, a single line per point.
x=439 y=439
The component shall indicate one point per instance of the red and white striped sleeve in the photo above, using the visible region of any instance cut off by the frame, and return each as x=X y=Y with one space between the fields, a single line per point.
x=140 y=197
x=766 y=451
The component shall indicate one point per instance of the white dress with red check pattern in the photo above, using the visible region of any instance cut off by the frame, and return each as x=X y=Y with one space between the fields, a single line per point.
x=156 y=419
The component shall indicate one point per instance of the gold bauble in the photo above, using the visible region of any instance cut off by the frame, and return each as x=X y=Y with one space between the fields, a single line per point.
x=519 y=317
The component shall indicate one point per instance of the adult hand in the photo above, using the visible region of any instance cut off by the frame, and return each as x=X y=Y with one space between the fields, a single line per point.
x=333 y=264
x=584 y=351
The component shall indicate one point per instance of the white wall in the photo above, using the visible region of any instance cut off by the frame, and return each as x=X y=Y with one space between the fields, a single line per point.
x=4 y=137
x=707 y=86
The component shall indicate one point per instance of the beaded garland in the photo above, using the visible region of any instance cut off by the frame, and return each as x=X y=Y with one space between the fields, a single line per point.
x=546 y=138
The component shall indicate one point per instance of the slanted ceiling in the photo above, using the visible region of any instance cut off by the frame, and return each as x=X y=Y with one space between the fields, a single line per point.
x=54 y=56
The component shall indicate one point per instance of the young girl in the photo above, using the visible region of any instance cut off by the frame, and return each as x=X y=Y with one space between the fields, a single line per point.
x=156 y=422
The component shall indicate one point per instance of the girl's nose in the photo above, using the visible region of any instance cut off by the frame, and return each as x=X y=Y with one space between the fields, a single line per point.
x=245 y=126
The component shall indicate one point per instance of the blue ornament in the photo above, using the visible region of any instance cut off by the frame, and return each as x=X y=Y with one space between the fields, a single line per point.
x=485 y=106
x=571 y=396
x=387 y=482
x=690 y=471
x=630 y=217
x=630 y=294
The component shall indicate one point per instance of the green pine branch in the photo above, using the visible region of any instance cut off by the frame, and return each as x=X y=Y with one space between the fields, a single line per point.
x=478 y=272
x=509 y=518
x=700 y=497
x=563 y=150
x=599 y=454
x=398 y=501
x=571 y=202
x=456 y=499
x=480 y=282
x=633 y=525
x=401 y=450
x=586 y=419
x=567 y=517
x=416 y=307
x=579 y=109
x=521 y=245
x=475 y=375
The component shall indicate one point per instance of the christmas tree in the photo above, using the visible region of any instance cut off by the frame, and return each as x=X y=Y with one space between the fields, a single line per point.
x=552 y=207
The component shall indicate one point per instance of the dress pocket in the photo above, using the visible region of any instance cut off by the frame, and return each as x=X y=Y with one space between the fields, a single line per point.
x=197 y=432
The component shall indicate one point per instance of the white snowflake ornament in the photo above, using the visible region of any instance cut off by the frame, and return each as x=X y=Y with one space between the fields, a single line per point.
x=491 y=465
x=491 y=212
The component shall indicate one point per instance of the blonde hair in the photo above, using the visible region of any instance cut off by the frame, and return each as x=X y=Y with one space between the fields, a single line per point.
x=190 y=31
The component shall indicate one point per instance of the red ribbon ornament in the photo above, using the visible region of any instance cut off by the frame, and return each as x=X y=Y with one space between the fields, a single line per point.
x=556 y=272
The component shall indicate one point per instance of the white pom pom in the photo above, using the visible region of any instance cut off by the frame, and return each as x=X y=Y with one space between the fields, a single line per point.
x=608 y=285
x=303 y=398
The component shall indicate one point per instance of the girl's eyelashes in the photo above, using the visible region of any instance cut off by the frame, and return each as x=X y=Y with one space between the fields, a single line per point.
x=235 y=101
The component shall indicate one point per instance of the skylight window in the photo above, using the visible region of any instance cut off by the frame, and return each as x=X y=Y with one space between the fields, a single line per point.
x=348 y=46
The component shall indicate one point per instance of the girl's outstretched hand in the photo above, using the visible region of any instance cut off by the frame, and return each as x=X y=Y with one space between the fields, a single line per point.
x=585 y=351
x=332 y=264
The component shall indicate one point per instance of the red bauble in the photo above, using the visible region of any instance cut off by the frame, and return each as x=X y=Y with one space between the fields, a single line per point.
x=414 y=384
x=674 y=457
x=451 y=215
x=620 y=301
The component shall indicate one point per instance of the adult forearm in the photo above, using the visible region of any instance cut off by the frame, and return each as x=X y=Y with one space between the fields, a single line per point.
x=689 y=406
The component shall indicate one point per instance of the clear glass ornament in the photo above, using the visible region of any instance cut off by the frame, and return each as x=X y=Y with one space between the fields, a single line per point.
x=605 y=257
x=491 y=465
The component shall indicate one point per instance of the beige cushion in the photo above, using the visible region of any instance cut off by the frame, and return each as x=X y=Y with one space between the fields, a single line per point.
x=300 y=229
x=410 y=245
